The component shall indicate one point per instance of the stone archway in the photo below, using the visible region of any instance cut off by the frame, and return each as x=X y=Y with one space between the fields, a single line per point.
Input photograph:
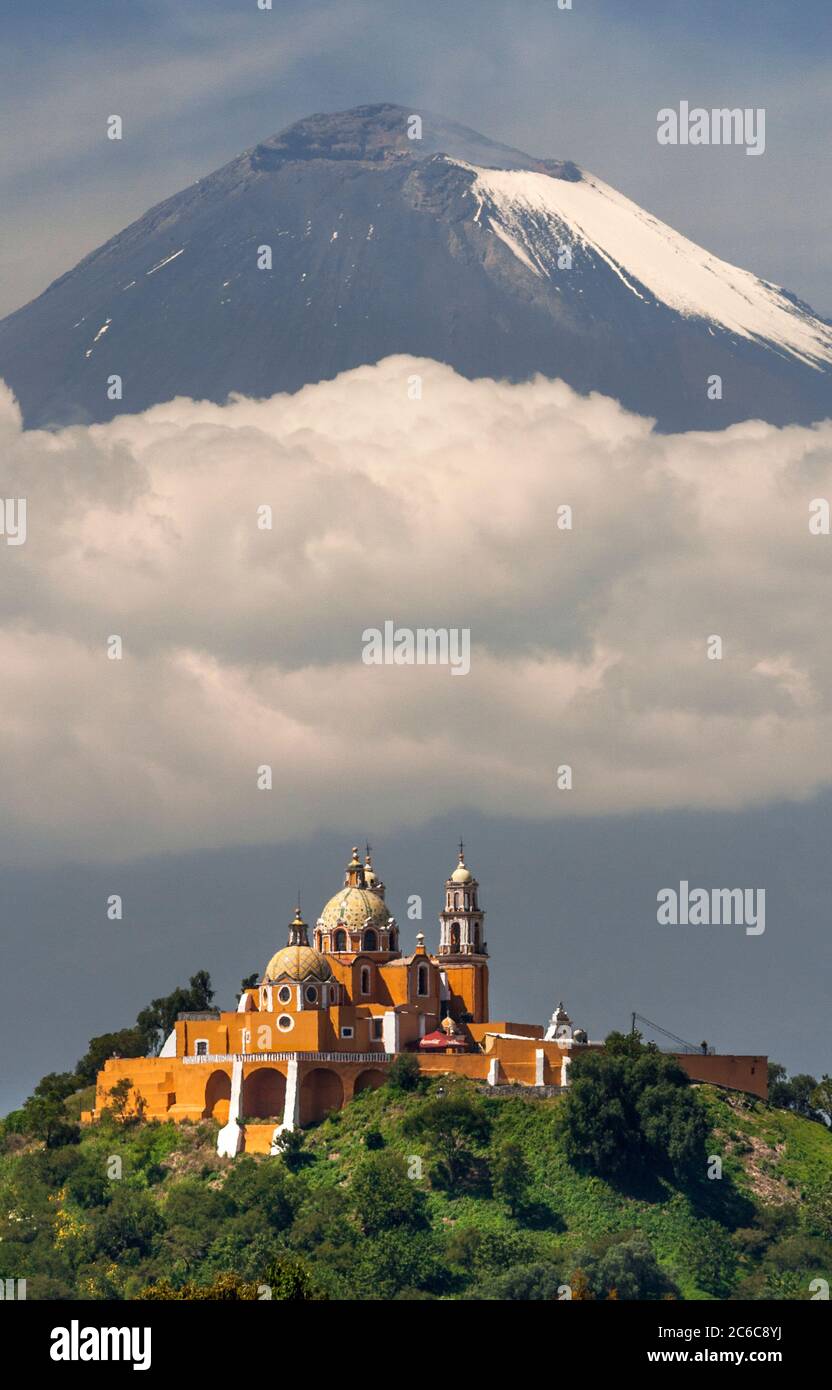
x=369 y=1080
x=217 y=1097
x=264 y=1094
x=321 y=1091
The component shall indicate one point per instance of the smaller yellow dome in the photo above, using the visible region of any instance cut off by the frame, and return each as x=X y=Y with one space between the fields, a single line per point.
x=462 y=874
x=298 y=963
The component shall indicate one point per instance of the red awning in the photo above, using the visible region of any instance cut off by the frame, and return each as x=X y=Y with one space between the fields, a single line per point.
x=438 y=1041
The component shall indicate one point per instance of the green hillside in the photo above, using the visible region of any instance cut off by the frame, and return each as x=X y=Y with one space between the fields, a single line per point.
x=435 y=1191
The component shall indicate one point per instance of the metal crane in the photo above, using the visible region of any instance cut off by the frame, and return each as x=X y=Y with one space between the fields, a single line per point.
x=682 y=1045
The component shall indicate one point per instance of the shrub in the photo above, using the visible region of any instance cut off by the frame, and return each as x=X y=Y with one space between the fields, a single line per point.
x=526 y=1283
x=626 y=1269
x=290 y=1279
x=404 y=1073
x=224 y=1288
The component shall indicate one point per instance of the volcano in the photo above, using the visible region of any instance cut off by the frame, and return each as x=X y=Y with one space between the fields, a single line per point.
x=344 y=240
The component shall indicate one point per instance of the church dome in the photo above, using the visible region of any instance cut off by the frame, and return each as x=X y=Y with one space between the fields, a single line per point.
x=352 y=907
x=462 y=874
x=298 y=963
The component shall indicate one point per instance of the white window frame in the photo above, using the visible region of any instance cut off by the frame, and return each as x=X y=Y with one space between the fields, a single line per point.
x=347 y=1031
x=202 y=1043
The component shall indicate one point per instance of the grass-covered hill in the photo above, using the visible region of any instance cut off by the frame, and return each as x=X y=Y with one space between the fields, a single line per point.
x=429 y=1190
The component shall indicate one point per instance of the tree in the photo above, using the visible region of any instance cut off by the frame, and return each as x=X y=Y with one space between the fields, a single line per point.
x=801 y=1094
x=58 y=1085
x=119 y=1096
x=384 y=1197
x=510 y=1175
x=779 y=1094
x=630 y=1107
x=803 y=1088
x=451 y=1126
x=156 y=1021
x=623 y=1269
x=46 y=1119
x=264 y=1188
x=129 y=1227
x=524 y=1283
x=289 y=1145
x=395 y=1261
x=250 y=981
x=821 y=1099
x=128 y=1042
x=674 y=1126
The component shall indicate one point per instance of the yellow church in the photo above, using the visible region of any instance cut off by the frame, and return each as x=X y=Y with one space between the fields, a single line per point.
x=329 y=1016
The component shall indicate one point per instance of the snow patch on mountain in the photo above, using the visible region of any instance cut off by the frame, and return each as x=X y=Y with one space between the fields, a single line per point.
x=536 y=215
x=166 y=261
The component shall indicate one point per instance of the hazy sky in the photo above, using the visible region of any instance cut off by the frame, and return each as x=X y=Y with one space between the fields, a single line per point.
x=201 y=80
x=129 y=787
x=242 y=648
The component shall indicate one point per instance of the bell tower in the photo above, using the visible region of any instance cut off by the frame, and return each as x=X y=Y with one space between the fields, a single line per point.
x=462 y=931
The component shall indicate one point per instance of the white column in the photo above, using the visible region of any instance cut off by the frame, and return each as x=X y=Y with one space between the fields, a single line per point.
x=539 y=1065
x=493 y=1071
x=231 y=1139
x=565 y=1064
x=291 y=1105
x=390 y=1031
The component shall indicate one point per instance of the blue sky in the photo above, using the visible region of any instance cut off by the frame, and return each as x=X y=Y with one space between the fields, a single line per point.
x=198 y=82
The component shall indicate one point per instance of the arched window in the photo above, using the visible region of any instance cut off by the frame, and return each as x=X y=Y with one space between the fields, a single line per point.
x=394 y=946
x=340 y=941
x=455 y=936
x=365 y=979
x=477 y=939
x=370 y=940
x=456 y=900
x=422 y=980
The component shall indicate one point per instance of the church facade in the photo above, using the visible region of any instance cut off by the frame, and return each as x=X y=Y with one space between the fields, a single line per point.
x=330 y=1014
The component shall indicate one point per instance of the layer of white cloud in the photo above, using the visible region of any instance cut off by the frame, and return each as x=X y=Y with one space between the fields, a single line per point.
x=243 y=646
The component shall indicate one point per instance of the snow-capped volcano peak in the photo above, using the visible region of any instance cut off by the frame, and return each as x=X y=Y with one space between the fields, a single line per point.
x=358 y=235
x=537 y=216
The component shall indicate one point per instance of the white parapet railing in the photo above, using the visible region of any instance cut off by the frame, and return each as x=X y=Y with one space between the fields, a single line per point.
x=214 y=1057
